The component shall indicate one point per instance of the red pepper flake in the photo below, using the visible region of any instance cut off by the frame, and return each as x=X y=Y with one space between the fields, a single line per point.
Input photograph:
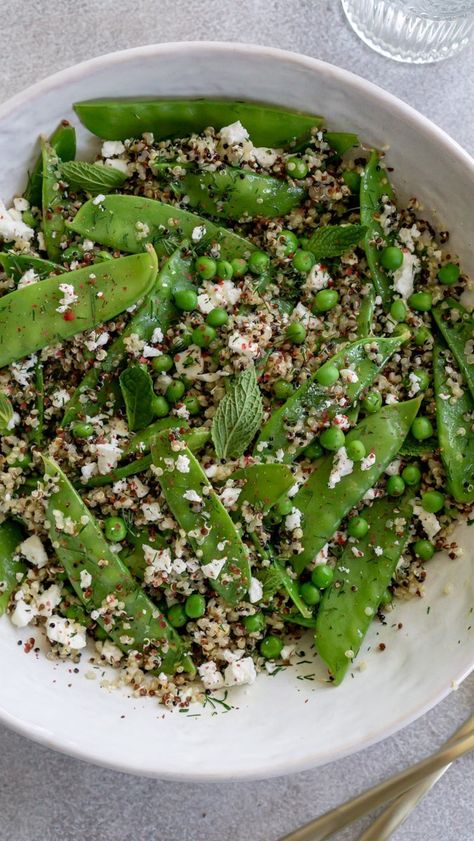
x=69 y=315
x=382 y=646
x=29 y=644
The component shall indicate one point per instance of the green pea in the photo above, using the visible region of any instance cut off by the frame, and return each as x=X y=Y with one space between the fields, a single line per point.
x=332 y=438
x=284 y=506
x=402 y=329
x=303 y=261
x=322 y=576
x=386 y=599
x=206 y=267
x=356 y=450
x=224 y=270
x=448 y=275
x=115 y=529
x=258 y=262
x=182 y=342
x=357 y=527
x=391 y=258
x=395 y=486
x=160 y=406
x=217 y=317
x=29 y=219
x=309 y=593
x=422 y=428
x=255 y=623
x=421 y=301
x=313 y=450
x=102 y=256
x=296 y=167
x=424 y=549
x=282 y=389
x=289 y=240
x=352 y=179
x=195 y=606
x=432 y=501
x=422 y=335
x=177 y=616
x=296 y=333
x=239 y=266
x=23 y=460
x=398 y=310
x=163 y=363
x=81 y=429
x=175 y=391
x=325 y=300
x=411 y=475
x=186 y=299
x=193 y=405
x=328 y=374
x=271 y=647
x=372 y=402
x=203 y=335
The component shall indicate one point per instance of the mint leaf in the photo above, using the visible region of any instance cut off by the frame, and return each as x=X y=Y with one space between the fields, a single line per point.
x=238 y=417
x=334 y=240
x=6 y=414
x=138 y=394
x=93 y=178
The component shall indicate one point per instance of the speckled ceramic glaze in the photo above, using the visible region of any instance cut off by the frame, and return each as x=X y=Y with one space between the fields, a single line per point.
x=283 y=723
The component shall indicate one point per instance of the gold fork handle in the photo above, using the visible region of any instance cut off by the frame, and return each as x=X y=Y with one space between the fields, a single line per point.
x=397 y=812
x=339 y=817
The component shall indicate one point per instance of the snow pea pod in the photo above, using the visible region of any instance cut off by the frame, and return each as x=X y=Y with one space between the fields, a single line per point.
x=195 y=440
x=29 y=317
x=37 y=432
x=139 y=625
x=54 y=223
x=365 y=316
x=157 y=311
x=63 y=141
x=11 y=536
x=264 y=485
x=375 y=184
x=234 y=193
x=323 y=507
x=118 y=119
x=113 y=222
x=15 y=265
x=349 y=605
x=133 y=556
x=341 y=141
x=457 y=328
x=455 y=419
x=294 y=425
x=141 y=441
x=207 y=524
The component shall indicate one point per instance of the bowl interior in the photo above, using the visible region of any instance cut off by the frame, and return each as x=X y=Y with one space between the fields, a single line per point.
x=275 y=726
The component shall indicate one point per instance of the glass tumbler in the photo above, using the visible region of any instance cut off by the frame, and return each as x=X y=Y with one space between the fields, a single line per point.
x=416 y=31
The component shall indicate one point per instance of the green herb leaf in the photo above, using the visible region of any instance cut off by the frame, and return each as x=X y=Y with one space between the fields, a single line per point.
x=238 y=417
x=6 y=414
x=334 y=240
x=138 y=394
x=93 y=178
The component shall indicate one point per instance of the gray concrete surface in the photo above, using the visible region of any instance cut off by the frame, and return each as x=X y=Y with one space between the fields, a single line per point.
x=48 y=796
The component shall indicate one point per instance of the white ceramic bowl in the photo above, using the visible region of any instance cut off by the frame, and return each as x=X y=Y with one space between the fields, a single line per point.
x=281 y=724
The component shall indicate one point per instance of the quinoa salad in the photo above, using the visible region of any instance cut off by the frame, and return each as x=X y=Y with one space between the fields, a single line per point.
x=236 y=403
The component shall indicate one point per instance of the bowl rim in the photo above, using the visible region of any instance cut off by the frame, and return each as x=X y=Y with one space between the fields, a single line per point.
x=429 y=129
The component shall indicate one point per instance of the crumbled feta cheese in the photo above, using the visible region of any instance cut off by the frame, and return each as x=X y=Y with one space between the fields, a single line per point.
x=192 y=496
x=110 y=652
x=157 y=336
x=20 y=204
x=33 y=550
x=110 y=148
x=98 y=199
x=23 y=613
x=393 y=468
x=378 y=551
x=404 y=277
x=322 y=556
x=96 y=340
x=151 y=511
x=293 y=519
x=342 y=466
x=47 y=600
x=348 y=375
x=108 y=456
x=429 y=521
x=85 y=579
x=69 y=297
x=87 y=245
x=221 y=294
x=11 y=226
x=182 y=464
x=198 y=233
x=23 y=370
x=210 y=675
x=240 y=672
x=229 y=496
x=27 y=279
x=234 y=133
x=264 y=156
x=293 y=490
x=287 y=652
x=255 y=590
x=342 y=421
x=65 y=632
x=214 y=568
x=317 y=278
x=88 y=471
x=157 y=560
x=414 y=384
x=368 y=461
x=59 y=398
x=118 y=164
